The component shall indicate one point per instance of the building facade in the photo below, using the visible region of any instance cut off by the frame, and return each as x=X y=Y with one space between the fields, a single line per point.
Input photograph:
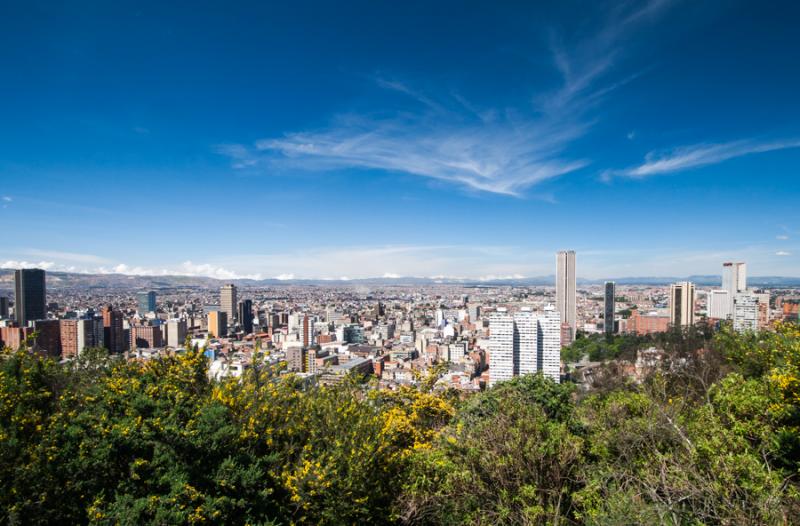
x=30 y=295
x=566 y=290
x=609 y=308
x=681 y=304
x=227 y=301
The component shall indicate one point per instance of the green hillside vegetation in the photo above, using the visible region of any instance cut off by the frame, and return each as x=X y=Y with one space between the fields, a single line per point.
x=106 y=442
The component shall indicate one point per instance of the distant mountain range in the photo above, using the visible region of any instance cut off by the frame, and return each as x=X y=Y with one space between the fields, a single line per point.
x=63 y=280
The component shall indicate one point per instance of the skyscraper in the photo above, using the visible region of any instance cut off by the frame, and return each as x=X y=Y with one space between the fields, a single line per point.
x=227 y=301
x=734 y=280
x=113 y=331
x=30 y=292
x=146 y=302
x=501 y=346
x=549 y=340
x=608 y=308
x=526 y=345
x=681 y=304
x=3 y=307
x=565 y=290
x=246 y=315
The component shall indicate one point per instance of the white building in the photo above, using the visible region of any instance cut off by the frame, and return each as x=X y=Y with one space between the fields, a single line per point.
x=717 y=304
x=501 y=346
x=745 y=312
x=550 y=343
x=524 y=344
x=734 y=280
x=526 y=341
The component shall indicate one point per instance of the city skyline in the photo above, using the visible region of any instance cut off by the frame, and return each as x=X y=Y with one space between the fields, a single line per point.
x=406 y=141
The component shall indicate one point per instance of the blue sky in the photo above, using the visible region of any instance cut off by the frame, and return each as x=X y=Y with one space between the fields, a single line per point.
x=361 y=139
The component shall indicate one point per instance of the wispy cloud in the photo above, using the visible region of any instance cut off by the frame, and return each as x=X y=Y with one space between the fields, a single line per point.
x=449 y=139
x=783 y=253
x=694 y=156
x=782 y=237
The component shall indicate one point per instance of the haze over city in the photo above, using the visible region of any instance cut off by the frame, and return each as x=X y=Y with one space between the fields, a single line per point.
x=319 y=140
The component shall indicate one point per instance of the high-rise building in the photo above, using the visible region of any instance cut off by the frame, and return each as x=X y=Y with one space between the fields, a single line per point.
x=526 y=340
x=501 y=346
x=113 y=330
x=717 y=304
x=30 y=293
x=146 y=302
x=566 y=290
x=734 y=281
x=176 y=333
x=246 y=315
x=549 y=339
x=3 y=307
x=745 y=312
x=608 y=308
x=524 y=344
x=77 y=335
x=227 y=301
x=217 y=324
x=681 y=304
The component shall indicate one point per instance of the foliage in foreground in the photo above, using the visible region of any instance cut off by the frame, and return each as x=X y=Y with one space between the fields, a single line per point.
x=101 y=441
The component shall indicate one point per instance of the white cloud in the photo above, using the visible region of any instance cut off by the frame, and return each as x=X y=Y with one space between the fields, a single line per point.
x=284 y=277
x=694 y=156
x=782 y=253
x=15 y=264
x=187 y=268
x=391 y=275
x=451 y=140
x=7 y=198
x=782 y=237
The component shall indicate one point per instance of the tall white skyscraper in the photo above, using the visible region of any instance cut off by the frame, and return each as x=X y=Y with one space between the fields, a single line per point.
x=745 y=312
x=526 y=341
x=734 y=281
x=717 y=305
x=565 y=289
x=501 y=346
x=549 y=329
x=681 y=304
x=227 y=301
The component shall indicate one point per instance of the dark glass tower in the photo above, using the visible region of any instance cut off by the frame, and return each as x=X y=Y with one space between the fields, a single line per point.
x=29 y=302
x=608 y=308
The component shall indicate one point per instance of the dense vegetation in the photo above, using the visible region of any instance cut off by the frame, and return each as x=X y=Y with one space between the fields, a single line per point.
x=715 y=440
x=601 y=347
